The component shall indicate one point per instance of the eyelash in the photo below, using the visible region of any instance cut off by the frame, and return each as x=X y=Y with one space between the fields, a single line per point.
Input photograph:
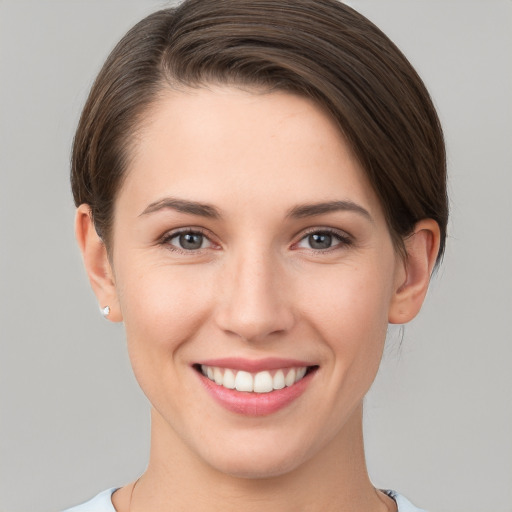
x=344 y=240
x=166 y=239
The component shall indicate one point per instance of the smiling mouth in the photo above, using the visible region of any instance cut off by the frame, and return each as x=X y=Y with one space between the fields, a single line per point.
x=258 y=382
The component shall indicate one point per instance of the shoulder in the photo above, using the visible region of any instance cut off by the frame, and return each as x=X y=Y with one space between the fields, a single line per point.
x=402 y=504
x=100 y=503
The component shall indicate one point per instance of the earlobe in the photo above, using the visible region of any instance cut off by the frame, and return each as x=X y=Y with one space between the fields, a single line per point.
x=413 y=279
x=96 y=262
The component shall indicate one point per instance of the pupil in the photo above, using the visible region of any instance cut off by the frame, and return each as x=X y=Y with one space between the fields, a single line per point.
x=191 y=240
x=320 y=241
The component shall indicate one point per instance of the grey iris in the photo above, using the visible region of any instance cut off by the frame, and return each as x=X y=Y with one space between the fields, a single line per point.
x=191 y=241
x=320 y=240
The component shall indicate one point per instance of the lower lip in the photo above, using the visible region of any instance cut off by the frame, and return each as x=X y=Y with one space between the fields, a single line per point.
x=255 y=404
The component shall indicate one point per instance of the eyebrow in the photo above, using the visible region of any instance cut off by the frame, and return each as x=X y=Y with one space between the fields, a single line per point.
x=297 y=212
x=183 y=206
x=311 y=210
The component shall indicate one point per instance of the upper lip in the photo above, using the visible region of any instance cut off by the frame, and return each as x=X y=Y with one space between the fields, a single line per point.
x=254 y=365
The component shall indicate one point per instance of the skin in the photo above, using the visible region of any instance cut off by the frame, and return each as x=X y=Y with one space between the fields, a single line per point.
x=256 y=288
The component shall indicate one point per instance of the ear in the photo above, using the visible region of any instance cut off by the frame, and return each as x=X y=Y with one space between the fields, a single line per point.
x=96 y=261
x=413 y=276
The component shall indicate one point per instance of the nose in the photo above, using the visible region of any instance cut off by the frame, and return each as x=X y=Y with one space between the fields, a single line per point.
x=254 y=301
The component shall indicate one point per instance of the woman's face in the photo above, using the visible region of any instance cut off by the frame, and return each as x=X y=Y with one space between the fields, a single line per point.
x=249 y=246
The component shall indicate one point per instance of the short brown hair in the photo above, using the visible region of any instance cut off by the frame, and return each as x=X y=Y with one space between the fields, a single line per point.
x=321 y=49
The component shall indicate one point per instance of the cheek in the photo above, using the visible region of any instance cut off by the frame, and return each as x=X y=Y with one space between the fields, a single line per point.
x=348 y=290
x=162 y=307
x=348 y=307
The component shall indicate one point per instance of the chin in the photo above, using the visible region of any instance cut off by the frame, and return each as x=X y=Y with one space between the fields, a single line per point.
x=257 y=463
x=252 y=470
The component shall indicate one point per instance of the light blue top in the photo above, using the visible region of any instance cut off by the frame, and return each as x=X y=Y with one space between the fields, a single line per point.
x=103 y=503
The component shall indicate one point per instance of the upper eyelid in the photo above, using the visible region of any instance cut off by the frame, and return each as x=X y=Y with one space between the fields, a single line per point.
x=186 y=229
x=344 y=239
x=332 y=231
x=170 y=234
x=342 y=234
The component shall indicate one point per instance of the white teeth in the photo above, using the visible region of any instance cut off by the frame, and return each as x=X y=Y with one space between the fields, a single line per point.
x=260 y=382
x=263 y=382
x=217 y=376
x=278 y=380
x=229 y=379
x=243 y=381
x=290 y=377
x=300 y=374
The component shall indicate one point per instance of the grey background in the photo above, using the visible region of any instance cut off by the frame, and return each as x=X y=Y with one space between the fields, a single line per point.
x=72 y=419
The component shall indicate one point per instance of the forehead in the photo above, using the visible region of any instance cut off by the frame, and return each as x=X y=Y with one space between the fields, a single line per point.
x=227 y=145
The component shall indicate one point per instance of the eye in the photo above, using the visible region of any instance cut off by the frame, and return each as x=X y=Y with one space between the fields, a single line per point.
x=322 y=240
x=188 y=241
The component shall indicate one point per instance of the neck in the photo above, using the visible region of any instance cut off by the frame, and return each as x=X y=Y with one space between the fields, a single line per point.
x=334 y=479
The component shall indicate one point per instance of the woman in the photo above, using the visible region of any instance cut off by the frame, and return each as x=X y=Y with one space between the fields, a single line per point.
x=261 y=189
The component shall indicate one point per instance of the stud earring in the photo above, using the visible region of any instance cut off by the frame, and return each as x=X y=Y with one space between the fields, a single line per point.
x=105 y=311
